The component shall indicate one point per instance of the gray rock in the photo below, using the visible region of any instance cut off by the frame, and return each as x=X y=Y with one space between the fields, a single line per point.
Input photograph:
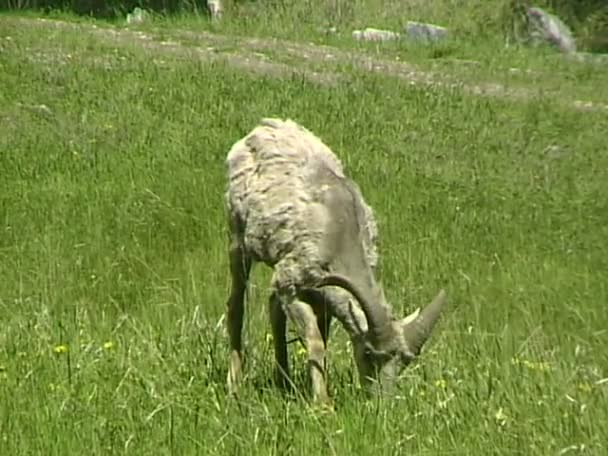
x=138 y=16
x=545 y=27
x=419 y=31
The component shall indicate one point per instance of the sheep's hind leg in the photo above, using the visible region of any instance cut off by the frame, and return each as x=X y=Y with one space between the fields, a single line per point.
x=319 y=303
x=240 y=267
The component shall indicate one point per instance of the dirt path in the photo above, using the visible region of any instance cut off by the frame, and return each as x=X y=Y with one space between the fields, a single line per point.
x=266 y=56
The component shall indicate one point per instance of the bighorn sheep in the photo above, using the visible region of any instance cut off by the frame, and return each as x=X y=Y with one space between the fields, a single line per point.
x=291 y=207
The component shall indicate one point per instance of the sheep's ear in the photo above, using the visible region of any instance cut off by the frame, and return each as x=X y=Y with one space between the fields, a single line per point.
x=410 y=318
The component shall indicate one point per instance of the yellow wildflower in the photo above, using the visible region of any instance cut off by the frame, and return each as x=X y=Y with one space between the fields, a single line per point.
x=109 y=345
x=544 y=366
x=60 y=348
x=441 y=383
x=500 y=417
x=541 y=366
x=585 y=387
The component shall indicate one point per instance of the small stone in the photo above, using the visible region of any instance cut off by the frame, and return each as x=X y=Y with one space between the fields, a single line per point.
x=419 y=31
x=372 y=34
x=138 y=16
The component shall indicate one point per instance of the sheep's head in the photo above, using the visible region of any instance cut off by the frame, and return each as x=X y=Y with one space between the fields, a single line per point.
x=387 y=345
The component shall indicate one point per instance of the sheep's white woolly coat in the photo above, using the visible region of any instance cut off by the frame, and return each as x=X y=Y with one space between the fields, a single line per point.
x=272 y=198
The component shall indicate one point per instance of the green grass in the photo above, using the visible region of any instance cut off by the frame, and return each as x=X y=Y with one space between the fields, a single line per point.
x=113 y=260
x=480 y=49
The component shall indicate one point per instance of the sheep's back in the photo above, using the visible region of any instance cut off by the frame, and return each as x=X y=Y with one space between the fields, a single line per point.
x=271 y=187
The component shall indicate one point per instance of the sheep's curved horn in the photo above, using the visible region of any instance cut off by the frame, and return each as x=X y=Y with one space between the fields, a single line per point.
x=378 y=320
x=416 y=331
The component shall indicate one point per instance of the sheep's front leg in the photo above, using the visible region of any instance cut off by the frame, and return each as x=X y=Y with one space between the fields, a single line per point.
x=305 y=320
x=321 y=303
x=240 y=267
x=278 y=322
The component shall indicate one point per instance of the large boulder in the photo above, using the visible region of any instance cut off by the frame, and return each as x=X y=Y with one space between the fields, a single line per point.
x=548 y=28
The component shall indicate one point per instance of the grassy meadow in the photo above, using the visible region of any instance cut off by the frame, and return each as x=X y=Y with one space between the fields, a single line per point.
x=114 y=274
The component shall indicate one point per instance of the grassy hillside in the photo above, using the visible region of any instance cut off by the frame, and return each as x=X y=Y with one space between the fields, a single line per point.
x=483 y=21
x=113 y=266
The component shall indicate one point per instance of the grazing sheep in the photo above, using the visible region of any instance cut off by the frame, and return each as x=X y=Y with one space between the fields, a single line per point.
x=292 y=207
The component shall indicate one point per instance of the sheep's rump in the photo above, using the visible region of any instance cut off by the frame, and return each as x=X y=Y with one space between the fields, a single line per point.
x=272 y=191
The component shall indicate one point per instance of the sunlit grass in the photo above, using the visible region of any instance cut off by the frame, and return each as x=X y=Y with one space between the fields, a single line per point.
x=113 y=267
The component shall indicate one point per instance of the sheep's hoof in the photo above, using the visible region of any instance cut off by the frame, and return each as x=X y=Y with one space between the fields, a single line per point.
x=233 y=383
